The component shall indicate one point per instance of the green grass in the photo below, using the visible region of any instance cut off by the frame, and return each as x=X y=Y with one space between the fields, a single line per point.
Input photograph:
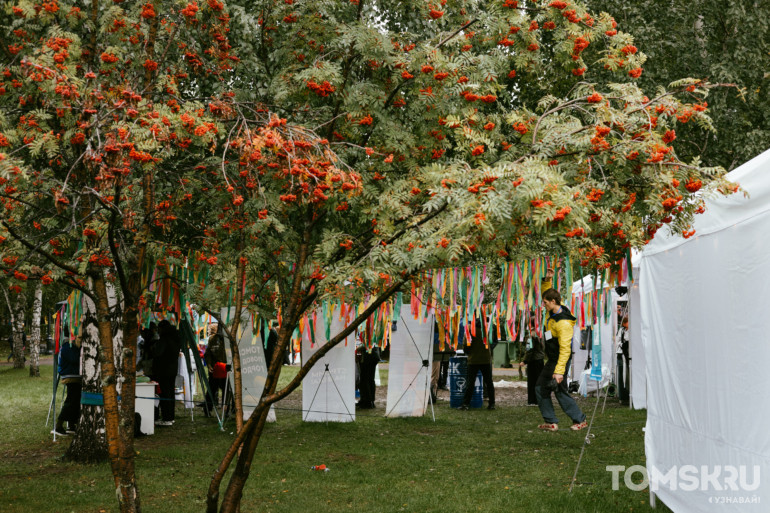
x=464 y=461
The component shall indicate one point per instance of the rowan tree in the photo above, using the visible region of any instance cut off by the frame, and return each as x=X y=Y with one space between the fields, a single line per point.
x=93 y=141
x=372 y=141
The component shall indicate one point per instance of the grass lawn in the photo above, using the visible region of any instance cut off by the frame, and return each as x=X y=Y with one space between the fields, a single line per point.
x=465 y=461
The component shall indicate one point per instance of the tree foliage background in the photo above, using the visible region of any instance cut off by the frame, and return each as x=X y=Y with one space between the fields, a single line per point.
x=716 y=41
x=338 y=150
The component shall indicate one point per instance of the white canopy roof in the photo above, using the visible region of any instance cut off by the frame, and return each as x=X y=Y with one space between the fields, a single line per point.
x=726 y=211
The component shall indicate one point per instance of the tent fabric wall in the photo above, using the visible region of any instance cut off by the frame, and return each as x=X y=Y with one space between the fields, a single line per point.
x=703 y=324
x=638 y=362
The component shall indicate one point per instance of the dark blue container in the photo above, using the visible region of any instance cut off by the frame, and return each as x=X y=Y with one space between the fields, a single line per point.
x=458 y=370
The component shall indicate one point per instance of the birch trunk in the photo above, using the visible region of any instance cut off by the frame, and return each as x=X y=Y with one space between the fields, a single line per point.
x=89 y=444
x=18 y=331
x=34 y=333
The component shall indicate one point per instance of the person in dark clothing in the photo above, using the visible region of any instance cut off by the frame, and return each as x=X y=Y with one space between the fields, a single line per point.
x=435 y=372
x=443 y=372
x=10 y=343
x=150 y=338
x=369 y=360
x=272 y=341
x=442 y=351
x=165 y=368
x=534 y=359
x=623 y=359
x=69 y=370
x=479 y=360
x=215 y=358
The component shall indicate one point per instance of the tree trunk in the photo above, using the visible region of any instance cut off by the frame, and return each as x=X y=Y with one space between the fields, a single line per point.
x=251 y=434
x=236 y=354
x=118 y=415
x=18 y=331
x=89 y=444
x=34 y=333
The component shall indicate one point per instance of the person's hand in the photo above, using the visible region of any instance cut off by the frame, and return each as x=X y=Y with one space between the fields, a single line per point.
x=548 y=274
x=558 y=377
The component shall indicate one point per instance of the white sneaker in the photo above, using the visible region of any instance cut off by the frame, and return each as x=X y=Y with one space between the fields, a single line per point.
x=164 y=422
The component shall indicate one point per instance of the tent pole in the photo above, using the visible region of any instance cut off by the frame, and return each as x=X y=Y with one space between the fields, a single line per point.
x=613 y=369
x=429 y=376
x=200 y=368
x=52 y=406
x=586 y=441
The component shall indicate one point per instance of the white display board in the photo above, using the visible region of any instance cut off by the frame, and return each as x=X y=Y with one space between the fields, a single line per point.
x=253 y=372
x=329 y=389
x=186 y=383
x=253 y=366
x=144 y=405
x=408 y=378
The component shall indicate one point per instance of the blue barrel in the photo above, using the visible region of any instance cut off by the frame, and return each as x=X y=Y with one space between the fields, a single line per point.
x=458 y=370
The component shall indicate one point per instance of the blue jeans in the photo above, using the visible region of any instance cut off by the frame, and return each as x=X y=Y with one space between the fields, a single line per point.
x=543 y=394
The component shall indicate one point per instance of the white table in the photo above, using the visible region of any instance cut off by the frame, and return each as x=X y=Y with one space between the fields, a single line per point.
x=145 y=406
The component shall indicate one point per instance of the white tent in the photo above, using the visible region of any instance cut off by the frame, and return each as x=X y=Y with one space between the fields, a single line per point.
x=703 y=325
x=638 y=394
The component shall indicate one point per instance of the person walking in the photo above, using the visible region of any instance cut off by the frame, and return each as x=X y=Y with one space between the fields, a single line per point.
x=558 y=349
x=479 y=360
x=534 y=359
x=368 y=365
x=149 y=338
x=623 y=359
x=69 y=371
x=215 y=358
x=165 y=368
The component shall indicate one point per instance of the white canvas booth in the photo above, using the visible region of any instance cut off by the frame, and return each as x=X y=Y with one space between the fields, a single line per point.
x=605 y=336
x=704 y=329
x=253 y=371
x=329 y=389
x=253 y=365
x=411 y=346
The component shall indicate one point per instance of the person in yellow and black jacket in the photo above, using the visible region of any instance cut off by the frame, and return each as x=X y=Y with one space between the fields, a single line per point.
x=558 y=351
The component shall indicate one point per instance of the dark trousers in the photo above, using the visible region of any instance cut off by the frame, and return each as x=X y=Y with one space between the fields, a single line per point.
x=534 y=368
x=622 y=380
x=443 y=373
x=70 y=410
x=486 y=374
x=367 y=386
x=217 y=386
x=166 y=384
x=543 y=390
